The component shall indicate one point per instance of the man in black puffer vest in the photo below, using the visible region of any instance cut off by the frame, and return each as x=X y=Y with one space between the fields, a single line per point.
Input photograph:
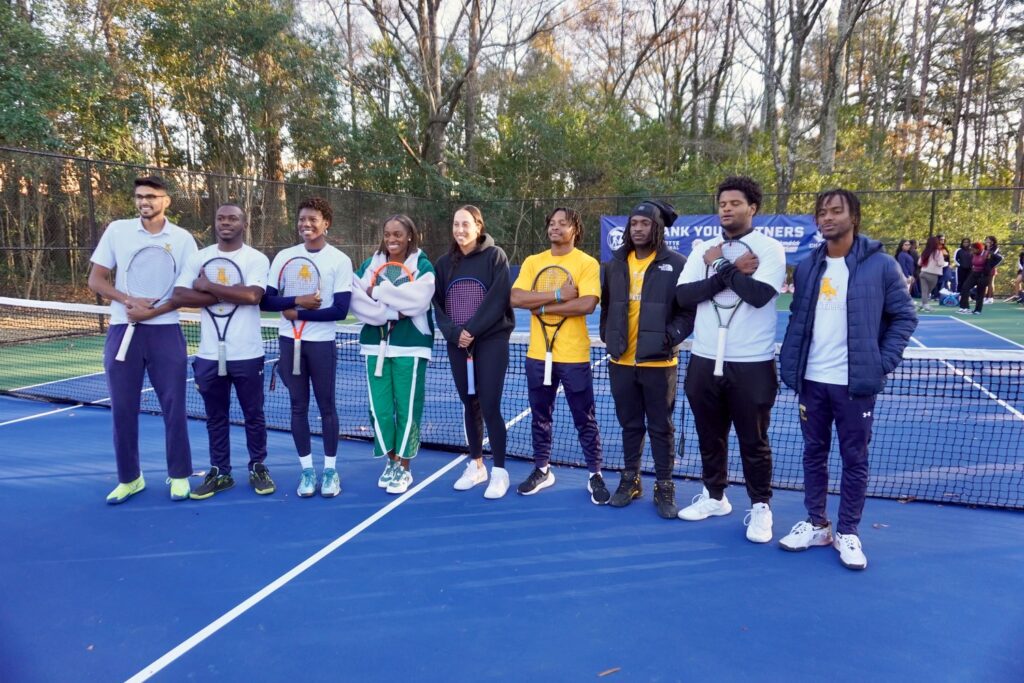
x=642 y=326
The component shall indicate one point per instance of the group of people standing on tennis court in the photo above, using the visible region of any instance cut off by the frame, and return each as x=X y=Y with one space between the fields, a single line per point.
x=851 y=318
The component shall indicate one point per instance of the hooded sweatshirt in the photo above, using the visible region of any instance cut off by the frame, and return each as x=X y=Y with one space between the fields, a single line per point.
x=488 y=264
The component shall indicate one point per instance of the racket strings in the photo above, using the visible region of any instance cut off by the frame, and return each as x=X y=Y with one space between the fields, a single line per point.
x=462 y=300
x=298 y=279
x=150 y=273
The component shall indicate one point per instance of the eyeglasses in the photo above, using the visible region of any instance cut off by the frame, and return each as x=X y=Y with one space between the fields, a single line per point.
x=148 y=197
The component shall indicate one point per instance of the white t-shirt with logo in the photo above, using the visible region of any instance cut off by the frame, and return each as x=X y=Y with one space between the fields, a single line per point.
x=119 y=243
x=242 y=339
x=335 y=278
x=751 y=335
x=828 y=358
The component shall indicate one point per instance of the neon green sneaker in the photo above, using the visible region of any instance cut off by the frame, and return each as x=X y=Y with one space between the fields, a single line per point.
x=125 y=491
x=180 y=488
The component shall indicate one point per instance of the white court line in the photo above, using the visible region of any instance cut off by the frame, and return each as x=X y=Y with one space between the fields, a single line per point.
x=48 y=412
x=988 y=332
x=250 y=602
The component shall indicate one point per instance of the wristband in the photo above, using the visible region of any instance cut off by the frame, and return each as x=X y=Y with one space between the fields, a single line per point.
x=558 y=296
x=719 y=263
x=542 y=310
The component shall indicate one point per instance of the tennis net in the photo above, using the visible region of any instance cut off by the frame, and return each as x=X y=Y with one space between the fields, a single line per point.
x=948 y=428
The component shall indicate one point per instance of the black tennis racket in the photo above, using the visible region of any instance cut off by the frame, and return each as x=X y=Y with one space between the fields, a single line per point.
x=726 y=302
x=550 y=279
x=462 y=299
x=222 y=271
x=299 y=277
x=150 y=275
x=397 y=274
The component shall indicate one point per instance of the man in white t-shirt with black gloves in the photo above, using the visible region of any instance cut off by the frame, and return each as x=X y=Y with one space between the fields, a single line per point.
x=244 y=350
x=743 y=397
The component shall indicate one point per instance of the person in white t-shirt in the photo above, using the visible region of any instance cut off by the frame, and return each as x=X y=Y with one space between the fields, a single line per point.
x=244 y=350
x=849 y=322
x=319 y=358
x=157 y=348
x=744 y=396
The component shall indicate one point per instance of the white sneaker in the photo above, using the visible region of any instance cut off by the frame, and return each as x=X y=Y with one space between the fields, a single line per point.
x=704 y=506
x=390 y=470
x=473 y=474
x=759 y=523
x=850 y=553
x=401 y=482
x=804 y=535
x=989 y=300
x=963 y=311
x=499 y=483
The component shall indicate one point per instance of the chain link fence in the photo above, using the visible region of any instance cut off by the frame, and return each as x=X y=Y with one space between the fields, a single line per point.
x=53 y=209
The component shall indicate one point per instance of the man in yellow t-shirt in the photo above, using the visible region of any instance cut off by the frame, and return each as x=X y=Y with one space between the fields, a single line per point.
x=642 y=328
x=571 y=350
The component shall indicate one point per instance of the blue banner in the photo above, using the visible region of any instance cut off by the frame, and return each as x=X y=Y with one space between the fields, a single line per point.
x=798 y=233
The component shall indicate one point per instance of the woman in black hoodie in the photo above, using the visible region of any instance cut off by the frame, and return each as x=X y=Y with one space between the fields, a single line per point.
x=473 y=254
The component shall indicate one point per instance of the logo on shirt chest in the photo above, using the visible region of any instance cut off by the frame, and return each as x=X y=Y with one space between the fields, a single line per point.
x=828 y=292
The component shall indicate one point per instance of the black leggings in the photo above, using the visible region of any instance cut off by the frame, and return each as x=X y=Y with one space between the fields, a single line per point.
x=490 y=358
x=975 y=279
x=319 y=365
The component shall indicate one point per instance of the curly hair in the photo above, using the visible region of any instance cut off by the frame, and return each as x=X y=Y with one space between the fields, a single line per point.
x=741 y=183
x=852 y=204
x=317 y=204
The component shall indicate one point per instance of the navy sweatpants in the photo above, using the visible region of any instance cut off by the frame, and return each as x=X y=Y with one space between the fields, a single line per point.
x=820 y=406
x=578 y=382
x=247 y=378
x=159 y=351
x=319 y=367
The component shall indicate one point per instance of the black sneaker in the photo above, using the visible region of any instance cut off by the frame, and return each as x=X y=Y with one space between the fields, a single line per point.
x=260 y=481
x=538 y=479
x=599 y=493
x=665 y=498
x=215 y=482
x=629 y=488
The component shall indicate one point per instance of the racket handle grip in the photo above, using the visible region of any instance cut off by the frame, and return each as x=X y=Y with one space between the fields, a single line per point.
x=126 y=340
x=720 y=352
x=548 y=362
x=222 y=359
x=470 y=377
x=378 y=370
x=297 y=358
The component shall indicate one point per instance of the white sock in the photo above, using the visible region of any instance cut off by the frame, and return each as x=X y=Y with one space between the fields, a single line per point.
x=306 y=461
x=329 y=462
x=545 y=468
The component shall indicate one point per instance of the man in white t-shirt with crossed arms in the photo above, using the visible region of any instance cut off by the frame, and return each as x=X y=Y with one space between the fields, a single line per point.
x=744 y=396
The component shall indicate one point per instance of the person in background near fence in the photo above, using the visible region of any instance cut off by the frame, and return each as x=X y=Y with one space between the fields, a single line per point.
x=983 y=263
x=642 y=328
x=945 y=279
x=933 y=263
x=318 y=360
x=1018 y=282
x=571 y=350
x=473 y=254
x=849 y=322
x=244 y=349
x=994 y=259
x=396 y=397
x=743 y=397
x=915 y=254
x=962 y=259
x=158 y=345
x=906 y=262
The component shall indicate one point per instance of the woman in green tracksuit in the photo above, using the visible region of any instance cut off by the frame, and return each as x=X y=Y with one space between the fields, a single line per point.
x=396 y=397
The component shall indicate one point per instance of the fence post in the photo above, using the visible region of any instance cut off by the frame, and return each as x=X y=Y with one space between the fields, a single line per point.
x=931 y=219
x=93 y=237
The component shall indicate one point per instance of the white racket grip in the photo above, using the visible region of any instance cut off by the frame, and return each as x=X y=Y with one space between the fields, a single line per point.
x=297 y=358
x=470 y=377
x=720 y=352
x=378 y=371
x=126 y=340
x=222 y=359
x=548 y=362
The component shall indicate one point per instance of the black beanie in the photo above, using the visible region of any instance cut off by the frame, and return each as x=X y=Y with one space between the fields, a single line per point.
x=661 y=213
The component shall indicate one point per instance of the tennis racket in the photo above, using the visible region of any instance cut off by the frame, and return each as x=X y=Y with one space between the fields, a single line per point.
x=298 y=277
x=461 y=301
x=550 y=279
x=397 y=274
x=222 y=271
x=726 y=302
x=150 y=275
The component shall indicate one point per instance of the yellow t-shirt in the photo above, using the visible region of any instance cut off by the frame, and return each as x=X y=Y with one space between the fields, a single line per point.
x=572 y=345
x=637 y=268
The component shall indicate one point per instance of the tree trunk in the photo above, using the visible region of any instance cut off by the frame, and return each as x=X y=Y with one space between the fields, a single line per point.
x=472 y=85
x=849 y=12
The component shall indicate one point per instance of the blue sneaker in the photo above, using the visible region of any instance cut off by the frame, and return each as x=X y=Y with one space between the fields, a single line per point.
x=330 y=485
x=307 y=483
x=390 y=470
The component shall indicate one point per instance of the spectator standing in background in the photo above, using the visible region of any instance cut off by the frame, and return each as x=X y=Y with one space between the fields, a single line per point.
x=906 y=262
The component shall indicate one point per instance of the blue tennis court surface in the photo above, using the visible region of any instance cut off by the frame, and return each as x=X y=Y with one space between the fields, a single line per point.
x=447 y=586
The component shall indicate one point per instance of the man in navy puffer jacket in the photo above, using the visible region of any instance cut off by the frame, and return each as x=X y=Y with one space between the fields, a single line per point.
x=851 y=318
